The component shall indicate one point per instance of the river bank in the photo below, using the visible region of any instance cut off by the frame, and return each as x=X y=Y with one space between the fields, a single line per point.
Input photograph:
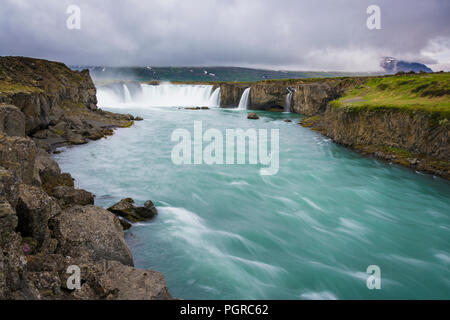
x=403 y=119
x=47 y=225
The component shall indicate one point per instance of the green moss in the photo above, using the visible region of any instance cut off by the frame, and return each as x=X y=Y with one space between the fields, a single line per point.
x=51 y=180
x=69 y=105
x=59 y=132
x=7 y=88
x=310 y=121
x=127 y=125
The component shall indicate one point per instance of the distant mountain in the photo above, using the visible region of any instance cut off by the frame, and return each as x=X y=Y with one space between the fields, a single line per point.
x=392 y=65
x=202 y=73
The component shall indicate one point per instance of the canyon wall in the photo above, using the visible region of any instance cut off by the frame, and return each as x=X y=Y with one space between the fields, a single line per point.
x=406 y=137
x=308 y=97
x=41 y=89
x=414 y=132
x=46 y=224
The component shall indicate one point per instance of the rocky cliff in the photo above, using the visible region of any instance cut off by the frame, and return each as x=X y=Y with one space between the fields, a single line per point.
x=59 y=105
x=410 y=136
x=309 y=97
x=409 y=139
x=46 y=224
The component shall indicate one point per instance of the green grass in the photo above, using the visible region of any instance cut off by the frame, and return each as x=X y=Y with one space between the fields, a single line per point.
x=12 y=88
x=428 y=93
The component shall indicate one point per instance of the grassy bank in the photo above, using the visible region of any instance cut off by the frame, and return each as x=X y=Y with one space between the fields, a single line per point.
x=428 y=93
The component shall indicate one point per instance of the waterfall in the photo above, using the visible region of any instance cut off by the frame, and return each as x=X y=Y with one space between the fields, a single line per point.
x=289 y=93
x=214 y=101
x=137 y=95
x=128 y=98
x=288 y=102
x=243 y=104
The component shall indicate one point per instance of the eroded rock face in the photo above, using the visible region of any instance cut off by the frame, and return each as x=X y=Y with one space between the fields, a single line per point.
x=18 y=155
x=230 y=94
x=43 y=88
x=45 y=163
x=8 y=219
x=68 y=196
x=312 y=98
x=267 y=96
x=34 y=209
x=8 y=186
x=394 y=129
x=93 y=232
x=12 y=121
x=38 y=238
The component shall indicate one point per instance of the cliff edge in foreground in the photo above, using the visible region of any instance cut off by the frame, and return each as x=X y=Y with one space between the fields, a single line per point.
x=47 y=225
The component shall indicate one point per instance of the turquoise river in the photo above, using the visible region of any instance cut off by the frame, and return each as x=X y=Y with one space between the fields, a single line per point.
x=308 y=232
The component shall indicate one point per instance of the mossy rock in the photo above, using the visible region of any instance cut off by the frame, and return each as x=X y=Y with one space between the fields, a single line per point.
x=127 y=210
x=51 y=180
x=127 y=125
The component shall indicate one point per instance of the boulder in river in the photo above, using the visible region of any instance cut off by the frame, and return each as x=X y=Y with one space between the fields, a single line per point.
x=127 y=210
x=252 y=116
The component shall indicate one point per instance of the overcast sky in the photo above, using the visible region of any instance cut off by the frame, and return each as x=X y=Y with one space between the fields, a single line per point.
x=275 y=34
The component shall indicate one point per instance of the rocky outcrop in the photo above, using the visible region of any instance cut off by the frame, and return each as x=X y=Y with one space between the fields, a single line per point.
x=92 y=233
x=267 y=96
x=59 y=105
x=307 y=97
x=46 y=225
x=252 y=116
x=12 y=121
x=312 y=98
x=230 y=94
x=126 y=209
x=18 y=155
x=413 y=139
x=414 y=132
x=67 y=196
x=41 y=89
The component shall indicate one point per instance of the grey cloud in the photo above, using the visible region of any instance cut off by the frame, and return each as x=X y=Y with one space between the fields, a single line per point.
x=294 y=34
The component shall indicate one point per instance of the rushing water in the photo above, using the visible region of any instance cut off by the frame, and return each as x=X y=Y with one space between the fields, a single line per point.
x=243 y=103
x=163 y=95
x=309 y=232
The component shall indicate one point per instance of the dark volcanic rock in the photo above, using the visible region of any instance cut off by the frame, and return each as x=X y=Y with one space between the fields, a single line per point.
x=69 y=196
x=18 y=155
x=12 y=121
x=34 y=209
x=8 y=186
x=92 y=232
x=112 y=280
x=252 y=116
x=126 y=209
x=46 y=225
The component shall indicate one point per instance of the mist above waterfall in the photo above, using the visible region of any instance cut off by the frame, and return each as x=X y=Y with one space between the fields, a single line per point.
x=134 y=94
